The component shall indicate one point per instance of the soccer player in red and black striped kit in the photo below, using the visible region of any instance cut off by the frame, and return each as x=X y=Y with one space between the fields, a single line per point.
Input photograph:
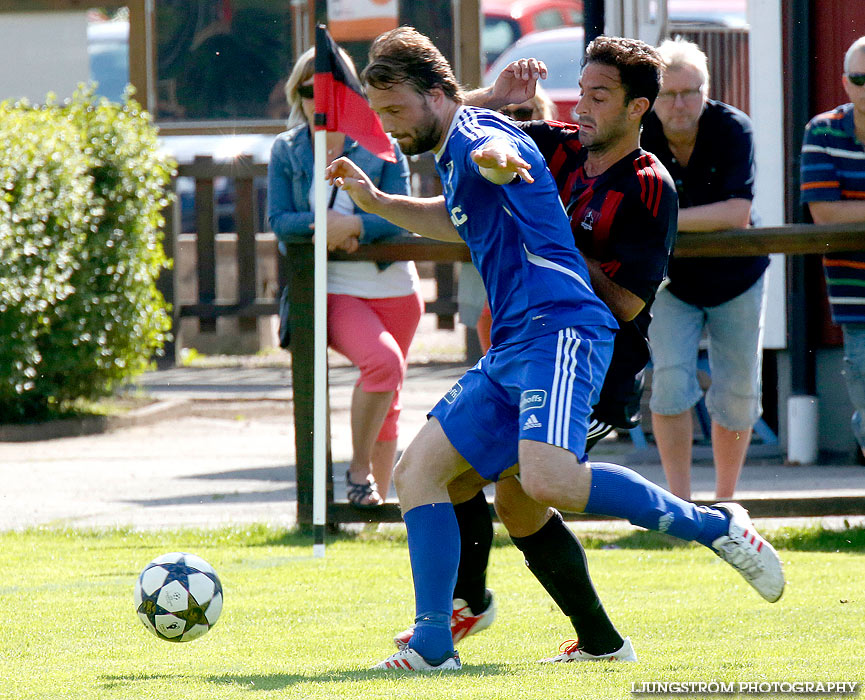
x=623 y=208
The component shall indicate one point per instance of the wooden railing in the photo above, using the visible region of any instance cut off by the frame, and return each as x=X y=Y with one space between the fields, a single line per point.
x=245 y=301
x=296 y=270
x=792 y=239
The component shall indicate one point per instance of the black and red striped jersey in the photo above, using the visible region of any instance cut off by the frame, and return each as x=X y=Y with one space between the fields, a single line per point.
x=626 y=219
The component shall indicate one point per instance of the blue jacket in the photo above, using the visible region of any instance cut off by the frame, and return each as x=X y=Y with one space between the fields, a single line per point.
x=289 y=178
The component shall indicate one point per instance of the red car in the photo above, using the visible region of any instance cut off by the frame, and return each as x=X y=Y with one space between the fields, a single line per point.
x=505 y=21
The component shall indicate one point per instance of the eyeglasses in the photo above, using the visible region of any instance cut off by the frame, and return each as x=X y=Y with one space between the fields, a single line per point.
x=305 y=92
x=858 y=79
x=520 y=114
x=670 y=96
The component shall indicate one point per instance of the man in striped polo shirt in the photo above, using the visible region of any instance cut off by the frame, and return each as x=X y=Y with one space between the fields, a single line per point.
x=833 y=187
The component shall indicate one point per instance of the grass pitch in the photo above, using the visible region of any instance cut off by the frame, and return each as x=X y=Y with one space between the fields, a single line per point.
x=298 y=627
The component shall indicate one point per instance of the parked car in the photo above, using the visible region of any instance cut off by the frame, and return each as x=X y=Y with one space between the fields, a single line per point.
x=562 y=50
x=505 y=21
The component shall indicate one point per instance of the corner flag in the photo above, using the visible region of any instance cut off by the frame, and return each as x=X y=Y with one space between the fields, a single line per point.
x=339 y=97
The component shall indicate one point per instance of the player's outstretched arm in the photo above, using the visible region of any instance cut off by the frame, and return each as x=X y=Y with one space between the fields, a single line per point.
x=624 y=304
x=427 y=216
x=515 y=84
x=499 y=164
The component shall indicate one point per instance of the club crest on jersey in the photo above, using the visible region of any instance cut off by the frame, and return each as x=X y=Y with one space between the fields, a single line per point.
x=588 y=222
x=458 y=216
x=533 y=398
x=454 y=392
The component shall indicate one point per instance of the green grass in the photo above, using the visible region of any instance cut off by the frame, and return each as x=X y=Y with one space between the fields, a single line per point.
x=298 y=627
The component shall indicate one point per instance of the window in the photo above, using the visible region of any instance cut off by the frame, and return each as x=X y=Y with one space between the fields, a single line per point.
x=222 y=59
x=548 y=19
x=574 y=17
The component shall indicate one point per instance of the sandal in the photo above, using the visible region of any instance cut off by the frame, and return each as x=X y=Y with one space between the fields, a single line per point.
x=359 y=493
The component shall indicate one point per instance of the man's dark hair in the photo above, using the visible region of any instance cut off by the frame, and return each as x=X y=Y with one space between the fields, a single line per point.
x=640 y=65
x=404 y=55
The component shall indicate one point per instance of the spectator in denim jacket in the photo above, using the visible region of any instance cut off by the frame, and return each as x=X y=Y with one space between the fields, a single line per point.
x=373 y=309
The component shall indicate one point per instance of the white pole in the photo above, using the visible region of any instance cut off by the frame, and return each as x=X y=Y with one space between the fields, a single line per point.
x=319 y=425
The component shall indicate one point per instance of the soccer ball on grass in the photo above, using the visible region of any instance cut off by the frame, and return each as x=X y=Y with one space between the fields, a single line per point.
x=178 y=597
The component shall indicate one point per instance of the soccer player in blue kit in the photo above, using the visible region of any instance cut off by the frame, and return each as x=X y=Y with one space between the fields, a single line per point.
x=526 y=404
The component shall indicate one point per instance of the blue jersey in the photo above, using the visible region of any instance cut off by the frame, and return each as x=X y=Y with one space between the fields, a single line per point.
x=518 y=234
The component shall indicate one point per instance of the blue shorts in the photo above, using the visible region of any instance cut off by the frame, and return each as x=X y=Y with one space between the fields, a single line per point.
x=542 y=389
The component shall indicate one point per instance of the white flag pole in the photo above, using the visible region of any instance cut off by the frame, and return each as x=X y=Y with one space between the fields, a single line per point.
x=319 y=447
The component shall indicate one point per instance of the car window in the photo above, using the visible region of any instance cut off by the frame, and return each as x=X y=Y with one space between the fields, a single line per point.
x=498 y=34
x=575 y=17
x=548 y=19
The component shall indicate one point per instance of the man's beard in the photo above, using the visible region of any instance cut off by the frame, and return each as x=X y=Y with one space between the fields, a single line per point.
x=425 y=138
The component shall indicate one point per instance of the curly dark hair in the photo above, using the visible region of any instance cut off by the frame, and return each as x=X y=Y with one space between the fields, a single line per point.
x=640 y=65
x=404 y=55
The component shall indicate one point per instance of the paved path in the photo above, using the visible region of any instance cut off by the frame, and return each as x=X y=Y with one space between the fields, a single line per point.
x=223 y=452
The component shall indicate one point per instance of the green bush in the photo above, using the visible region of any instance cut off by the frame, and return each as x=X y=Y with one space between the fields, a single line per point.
x=83 y=188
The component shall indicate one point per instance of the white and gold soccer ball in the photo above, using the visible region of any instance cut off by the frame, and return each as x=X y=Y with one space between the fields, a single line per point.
x=178 y=597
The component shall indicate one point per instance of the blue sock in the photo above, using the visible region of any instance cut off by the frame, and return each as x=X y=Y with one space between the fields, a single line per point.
x=434 y=550
x=623 y=493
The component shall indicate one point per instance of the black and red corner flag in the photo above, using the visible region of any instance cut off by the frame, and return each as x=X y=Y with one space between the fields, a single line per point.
x=339 y=97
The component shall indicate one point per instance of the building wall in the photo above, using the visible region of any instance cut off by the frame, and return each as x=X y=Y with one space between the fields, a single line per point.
x=837 y=24
x=42 y=52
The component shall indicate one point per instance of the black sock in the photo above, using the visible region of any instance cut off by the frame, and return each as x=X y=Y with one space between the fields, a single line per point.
x=476 y=539
x=557 y=559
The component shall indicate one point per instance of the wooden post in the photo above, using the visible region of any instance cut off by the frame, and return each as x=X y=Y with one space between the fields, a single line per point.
x=205 y=241
x=245 y=216
x=299 y=268
x=167 y=282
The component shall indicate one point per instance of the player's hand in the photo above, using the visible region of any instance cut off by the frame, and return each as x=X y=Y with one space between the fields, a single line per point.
x=499 y=165
x=347 y=176
x=516 y=83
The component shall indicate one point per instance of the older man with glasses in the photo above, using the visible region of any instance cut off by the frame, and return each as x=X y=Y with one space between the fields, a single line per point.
x=833 y=188
x=708 y=148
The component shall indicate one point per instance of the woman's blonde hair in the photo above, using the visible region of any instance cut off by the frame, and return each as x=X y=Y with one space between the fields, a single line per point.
x=303 y=70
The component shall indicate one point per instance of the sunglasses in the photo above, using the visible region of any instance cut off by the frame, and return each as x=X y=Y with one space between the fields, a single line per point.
x=305 y=92
x=858 y=79
x=520 y=114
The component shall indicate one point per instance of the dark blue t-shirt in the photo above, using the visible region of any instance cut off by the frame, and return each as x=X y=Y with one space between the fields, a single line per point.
x=720 y=168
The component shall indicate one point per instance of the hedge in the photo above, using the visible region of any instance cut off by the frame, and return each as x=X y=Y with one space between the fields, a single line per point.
x=83 y=189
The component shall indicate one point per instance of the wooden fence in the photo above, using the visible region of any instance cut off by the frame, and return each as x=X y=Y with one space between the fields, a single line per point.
x=792 y=239
x=296 y=270
x=245 y=301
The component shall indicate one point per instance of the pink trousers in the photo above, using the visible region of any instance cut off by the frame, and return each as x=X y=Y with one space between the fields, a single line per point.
x=375 y=334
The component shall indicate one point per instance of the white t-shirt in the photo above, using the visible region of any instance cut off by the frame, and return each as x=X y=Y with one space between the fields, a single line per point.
x=364 y=279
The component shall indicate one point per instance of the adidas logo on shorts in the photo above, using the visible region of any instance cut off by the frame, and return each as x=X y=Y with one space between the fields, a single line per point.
x=531 y=422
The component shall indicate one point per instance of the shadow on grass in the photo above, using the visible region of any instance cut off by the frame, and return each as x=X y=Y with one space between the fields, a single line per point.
x=278 y=681
x=797 y=539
